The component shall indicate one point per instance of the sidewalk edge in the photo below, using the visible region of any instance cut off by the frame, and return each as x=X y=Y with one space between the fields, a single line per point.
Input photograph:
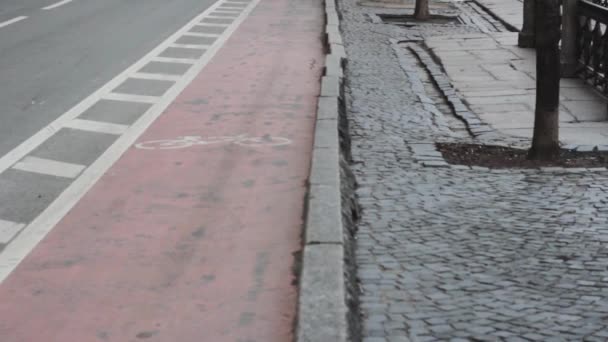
x=324 y=289
x=511 y=27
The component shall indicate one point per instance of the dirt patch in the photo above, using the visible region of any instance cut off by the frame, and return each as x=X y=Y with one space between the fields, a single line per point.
x=499 y=157
x=405 y=4
x=410 y=20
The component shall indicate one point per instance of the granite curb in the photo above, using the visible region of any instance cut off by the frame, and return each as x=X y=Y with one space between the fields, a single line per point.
x=323 y=302
x=511 y=27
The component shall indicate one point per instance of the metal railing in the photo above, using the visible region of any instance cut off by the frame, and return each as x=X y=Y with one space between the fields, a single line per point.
x=603 y=3
x=592 y=43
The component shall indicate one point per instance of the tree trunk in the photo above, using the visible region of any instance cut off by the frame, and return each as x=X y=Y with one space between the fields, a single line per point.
x=545 y=143
x=422 y=10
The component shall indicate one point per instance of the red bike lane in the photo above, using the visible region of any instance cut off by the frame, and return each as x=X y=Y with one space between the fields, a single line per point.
x=195 y=243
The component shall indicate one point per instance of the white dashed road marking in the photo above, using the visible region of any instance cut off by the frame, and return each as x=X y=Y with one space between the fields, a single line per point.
x=159 y=77
x=12 y=21
x=174 y=60
x=196 y=34
x=231 y=10
x=49 y=167
x=55 y=5
x=224 y=15
x=8 y=230
x=213 y=25
x=97 y=126
x=190 y=46
x=131 y=98
x=86 y=177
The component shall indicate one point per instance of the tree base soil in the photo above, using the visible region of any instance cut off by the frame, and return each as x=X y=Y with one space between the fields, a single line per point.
x=410 y=20
x=500 y=157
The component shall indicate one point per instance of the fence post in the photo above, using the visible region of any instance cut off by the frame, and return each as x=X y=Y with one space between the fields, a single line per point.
x=527 y=36
x=569 y=38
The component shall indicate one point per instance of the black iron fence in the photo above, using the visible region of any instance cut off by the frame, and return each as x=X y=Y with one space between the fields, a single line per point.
x=603 y=3
x=592 y=39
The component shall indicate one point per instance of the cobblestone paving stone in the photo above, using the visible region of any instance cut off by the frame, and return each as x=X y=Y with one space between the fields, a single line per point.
x=454 y=254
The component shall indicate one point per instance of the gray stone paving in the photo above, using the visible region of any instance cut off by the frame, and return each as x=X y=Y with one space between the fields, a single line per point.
x=454 y=254
x=507 y=10
x=498 y=82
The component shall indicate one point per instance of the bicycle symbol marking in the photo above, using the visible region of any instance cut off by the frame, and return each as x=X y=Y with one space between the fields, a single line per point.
x=188 y=141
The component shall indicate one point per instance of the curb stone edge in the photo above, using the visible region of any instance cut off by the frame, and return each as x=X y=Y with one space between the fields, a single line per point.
x=322 y=314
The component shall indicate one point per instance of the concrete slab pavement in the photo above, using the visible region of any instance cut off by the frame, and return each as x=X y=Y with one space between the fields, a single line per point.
x=509 y=11
x=497 y=80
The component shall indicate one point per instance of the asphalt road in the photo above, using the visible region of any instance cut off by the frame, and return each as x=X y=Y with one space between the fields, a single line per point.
x=54 y=58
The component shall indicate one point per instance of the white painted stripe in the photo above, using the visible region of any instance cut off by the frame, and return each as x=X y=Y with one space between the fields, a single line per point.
x=49 y=167
x=8 y=230
x=12 y=21
x=217 y=21
x=131 y=98
x=31 y=235
x=227 y=9
x=174 y=60
x=189 y=46
x=213 y=25
x=219 y=15
x=55 y=5
x=159 y=77
x=196 y=34
x=234 y=5
x=96 y=126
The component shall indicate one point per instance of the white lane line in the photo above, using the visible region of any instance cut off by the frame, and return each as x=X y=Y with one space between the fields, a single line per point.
x=174 y=60
x=31 y=235
x=217 y=21
x=12 y=21
x=96 y=126
x=55 y=5
x=227 y=9
x=213 y=25
x=159 y=77
x=234 y=5
x=205 y=35
x=130 y=98
x=224 y=14
x=49 y=167
x=190 y=46
x=8 y=230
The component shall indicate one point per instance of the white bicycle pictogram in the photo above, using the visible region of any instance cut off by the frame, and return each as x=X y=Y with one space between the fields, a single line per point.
x=188 y=141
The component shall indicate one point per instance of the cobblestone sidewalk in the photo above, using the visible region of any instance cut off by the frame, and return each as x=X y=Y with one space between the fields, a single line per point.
x=455 y=254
